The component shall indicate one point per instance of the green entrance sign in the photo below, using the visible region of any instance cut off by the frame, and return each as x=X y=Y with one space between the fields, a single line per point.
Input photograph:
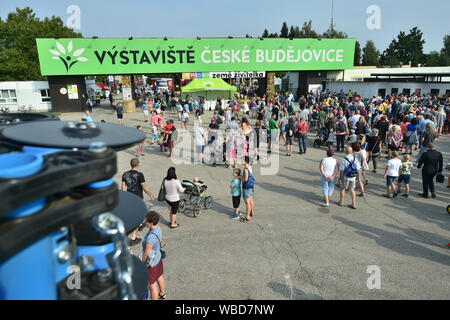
x=141 y=56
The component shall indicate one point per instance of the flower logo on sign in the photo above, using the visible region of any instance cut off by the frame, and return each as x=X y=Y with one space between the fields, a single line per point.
x=208 y=84
x=66 y=56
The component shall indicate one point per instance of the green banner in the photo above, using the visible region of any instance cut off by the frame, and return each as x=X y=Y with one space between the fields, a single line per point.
x=141 y=56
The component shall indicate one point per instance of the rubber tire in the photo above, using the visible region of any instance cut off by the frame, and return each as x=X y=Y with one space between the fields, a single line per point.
x=197 y=210
x=193 y=199
x=182 y=206
x=207 y=204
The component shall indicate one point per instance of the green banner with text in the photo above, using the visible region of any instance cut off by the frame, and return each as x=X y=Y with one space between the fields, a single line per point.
x=141 y=56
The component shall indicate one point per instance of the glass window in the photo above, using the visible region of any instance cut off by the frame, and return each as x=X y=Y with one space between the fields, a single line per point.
x=45 y=95
x=435 y=92
x=8 y=96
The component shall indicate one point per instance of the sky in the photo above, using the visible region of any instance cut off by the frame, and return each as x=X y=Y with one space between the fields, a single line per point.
x=214 y=18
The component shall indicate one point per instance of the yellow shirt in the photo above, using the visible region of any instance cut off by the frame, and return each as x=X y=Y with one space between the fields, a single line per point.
x=383 y=107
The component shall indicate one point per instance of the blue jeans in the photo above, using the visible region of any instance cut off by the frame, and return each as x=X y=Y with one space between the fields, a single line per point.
x=327 y=186
x=302 y=142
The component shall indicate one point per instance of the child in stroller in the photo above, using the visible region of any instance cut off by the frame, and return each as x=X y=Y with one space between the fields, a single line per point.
x=321 y=138
x=196 y=193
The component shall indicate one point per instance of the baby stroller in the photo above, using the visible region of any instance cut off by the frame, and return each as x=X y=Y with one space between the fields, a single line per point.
x=196 y=198
x=321 y=138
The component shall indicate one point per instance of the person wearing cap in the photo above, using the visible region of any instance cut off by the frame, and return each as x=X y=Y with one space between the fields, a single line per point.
x=329 y=168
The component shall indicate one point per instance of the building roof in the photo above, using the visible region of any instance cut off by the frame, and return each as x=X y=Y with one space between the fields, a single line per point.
x=411 y=74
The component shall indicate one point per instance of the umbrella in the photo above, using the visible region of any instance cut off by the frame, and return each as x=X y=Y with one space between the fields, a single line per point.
x=102 y=86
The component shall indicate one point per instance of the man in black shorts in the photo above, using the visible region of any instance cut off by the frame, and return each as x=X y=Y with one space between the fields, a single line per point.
x=133 y=181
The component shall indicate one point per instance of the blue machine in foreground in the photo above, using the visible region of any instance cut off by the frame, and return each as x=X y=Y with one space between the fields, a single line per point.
x=61 y=232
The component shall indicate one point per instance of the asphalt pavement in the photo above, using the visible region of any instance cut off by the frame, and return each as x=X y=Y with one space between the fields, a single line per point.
x=294 y=248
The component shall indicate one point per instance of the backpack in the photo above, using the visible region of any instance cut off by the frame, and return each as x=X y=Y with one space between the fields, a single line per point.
x=352 y=170
x=290 y=130
x=219 y=120
x=250 y=183
x=315 y=115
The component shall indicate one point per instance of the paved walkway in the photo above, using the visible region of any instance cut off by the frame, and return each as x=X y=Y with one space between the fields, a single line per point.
x=294 y=248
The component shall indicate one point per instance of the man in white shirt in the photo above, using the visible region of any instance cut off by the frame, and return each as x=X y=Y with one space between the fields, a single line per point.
x=350 y=171
x=305 y=114
x=353 y=120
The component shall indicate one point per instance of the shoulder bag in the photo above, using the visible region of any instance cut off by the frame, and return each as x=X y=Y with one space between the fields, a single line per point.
x=162 y=192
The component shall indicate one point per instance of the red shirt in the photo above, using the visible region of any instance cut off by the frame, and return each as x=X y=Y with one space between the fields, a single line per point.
x=302 y=127
x=168 y=128
x=403 y=126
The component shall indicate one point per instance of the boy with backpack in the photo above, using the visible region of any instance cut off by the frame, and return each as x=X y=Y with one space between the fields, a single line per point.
x=290 y=132
x=350 y=169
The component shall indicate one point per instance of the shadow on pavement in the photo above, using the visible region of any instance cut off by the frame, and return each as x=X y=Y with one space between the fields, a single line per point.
x=402 y=244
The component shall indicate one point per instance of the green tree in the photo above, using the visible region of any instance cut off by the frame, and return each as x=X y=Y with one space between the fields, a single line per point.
x=292 y=33
x=357 y=60
x=407 y=48
x=265 y=33
x=18 y=52
x=284 y=33
x=434 y=59
x=371 y=55
x=333 y=33
x=445 y=52
x=307 y=31
x=273 y=35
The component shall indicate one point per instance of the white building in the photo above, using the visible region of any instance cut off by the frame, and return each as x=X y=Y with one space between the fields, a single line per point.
x=14 y=94
x=371 y=81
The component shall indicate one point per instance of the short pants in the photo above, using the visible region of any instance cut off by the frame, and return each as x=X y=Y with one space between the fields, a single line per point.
x=390 y=181
x=236 y=201
x=247 y=193
x=173 y=206
x=349 y=184
x=405 y=178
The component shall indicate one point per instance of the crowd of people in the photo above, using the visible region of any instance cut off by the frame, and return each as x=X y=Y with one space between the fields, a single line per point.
x=401 y=129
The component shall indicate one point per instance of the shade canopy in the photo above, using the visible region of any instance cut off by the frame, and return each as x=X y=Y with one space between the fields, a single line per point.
x=210 y=88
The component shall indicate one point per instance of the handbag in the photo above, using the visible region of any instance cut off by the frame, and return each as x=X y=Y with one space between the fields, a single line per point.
x=440 y=178
x=152 y=256
x=162 y=192
x=163 y=252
